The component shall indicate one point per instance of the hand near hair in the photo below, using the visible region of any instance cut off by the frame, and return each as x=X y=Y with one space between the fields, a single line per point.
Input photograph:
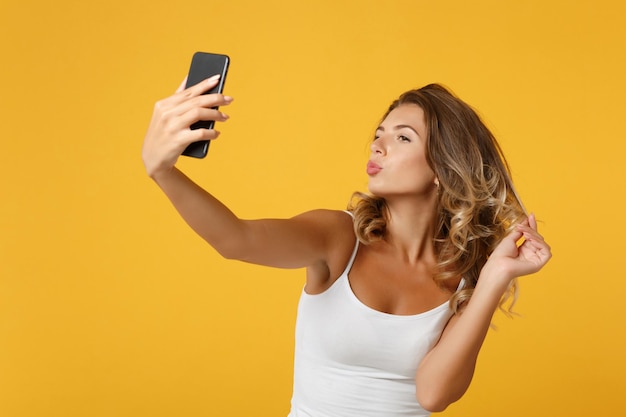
x=510 y=259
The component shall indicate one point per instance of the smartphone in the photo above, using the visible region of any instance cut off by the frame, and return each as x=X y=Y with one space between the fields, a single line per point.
x=203 y=66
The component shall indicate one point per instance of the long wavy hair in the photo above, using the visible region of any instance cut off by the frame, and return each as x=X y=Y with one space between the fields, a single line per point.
x=477 y=203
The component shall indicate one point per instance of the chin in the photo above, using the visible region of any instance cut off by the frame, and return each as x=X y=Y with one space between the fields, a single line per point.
x=379 y=193
x=374 y=191
x=391 y=193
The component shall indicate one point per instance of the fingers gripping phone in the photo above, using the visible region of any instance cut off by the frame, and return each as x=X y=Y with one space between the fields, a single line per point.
x=203 y=66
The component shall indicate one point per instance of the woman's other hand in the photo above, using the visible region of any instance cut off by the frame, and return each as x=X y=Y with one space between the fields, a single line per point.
x=510 y=259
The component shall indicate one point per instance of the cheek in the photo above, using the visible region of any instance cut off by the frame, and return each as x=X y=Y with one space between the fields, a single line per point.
x=417 y=167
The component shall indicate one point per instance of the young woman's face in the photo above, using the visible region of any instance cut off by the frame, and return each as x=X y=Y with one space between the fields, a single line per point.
x=397 y=163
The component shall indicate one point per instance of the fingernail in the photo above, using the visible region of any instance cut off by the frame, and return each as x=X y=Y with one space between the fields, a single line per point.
x=225 y=116
x=213 y=78
x=228 y=99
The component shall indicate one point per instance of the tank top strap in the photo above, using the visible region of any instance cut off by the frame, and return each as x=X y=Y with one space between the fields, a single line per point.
x=461 y=284
x=354 y=251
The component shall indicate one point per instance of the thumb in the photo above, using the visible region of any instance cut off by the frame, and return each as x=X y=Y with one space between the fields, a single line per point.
x=508 y=244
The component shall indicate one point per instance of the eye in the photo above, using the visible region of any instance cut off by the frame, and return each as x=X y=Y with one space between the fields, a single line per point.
x=403 y=138
x=375 y=138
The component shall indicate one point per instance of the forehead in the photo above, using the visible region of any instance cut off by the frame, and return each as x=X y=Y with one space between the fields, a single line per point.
x=406 y=114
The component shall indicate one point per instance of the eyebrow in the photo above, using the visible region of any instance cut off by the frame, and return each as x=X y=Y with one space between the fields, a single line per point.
x=397 y=127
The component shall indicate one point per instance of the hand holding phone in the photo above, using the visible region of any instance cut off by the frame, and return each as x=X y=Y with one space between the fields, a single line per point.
x=203 y=66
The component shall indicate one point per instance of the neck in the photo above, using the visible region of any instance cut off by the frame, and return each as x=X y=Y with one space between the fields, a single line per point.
x=411 y=228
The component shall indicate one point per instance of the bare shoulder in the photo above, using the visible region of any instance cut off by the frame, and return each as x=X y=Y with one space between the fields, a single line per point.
x=337 y=228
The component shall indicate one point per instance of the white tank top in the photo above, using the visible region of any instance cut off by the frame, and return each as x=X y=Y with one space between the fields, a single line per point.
x=354 y=361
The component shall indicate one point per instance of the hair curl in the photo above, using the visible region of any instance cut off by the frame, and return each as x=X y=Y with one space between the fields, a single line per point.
x=477 y=203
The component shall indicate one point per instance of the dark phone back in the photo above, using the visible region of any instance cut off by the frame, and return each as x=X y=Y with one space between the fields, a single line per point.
x=203 y=66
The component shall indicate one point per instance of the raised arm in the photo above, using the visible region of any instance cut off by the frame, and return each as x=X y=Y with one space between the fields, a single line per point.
x=310 y=239
x=447 y=370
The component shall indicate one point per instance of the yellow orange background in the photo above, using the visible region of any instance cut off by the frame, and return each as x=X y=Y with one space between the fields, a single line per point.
x=111 y=306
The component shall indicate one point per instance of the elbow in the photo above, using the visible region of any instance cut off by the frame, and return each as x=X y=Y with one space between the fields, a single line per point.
x=230 y=252
x=435 y=399
x=440 y=387
x=232 y=247
x=433 y=403
x=226 y=252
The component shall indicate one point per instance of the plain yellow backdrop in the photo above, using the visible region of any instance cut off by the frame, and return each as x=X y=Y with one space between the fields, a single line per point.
x=111 y=306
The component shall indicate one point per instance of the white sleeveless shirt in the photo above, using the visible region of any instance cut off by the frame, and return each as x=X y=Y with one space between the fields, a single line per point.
x=354 y=361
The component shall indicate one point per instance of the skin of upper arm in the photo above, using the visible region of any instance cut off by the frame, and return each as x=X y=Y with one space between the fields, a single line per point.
x=425 y=395
x=318 y=239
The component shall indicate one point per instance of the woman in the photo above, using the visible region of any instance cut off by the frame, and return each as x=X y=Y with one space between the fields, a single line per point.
x=401 y=289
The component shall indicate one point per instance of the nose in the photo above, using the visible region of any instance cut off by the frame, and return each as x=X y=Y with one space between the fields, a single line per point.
x=378 y=146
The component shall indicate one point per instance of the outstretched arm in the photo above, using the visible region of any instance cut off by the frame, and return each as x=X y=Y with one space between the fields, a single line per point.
x=308 y=239
x=447 y=370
